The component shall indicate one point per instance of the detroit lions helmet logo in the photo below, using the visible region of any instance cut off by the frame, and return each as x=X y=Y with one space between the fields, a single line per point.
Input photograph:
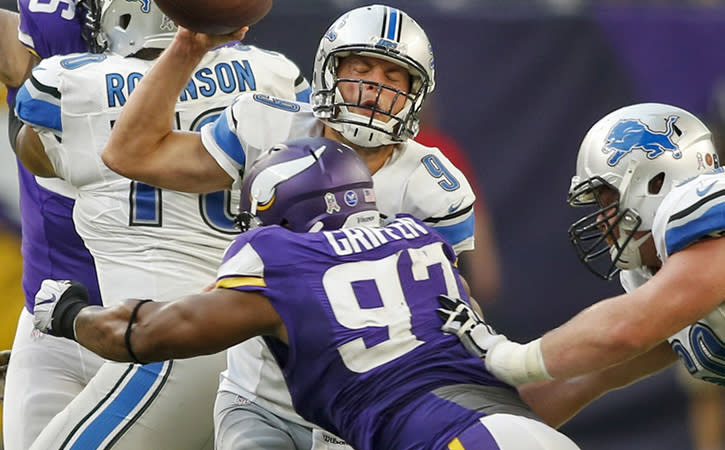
x=145 y=4
x=631 y=134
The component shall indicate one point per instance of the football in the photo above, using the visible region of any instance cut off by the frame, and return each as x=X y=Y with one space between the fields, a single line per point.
x=215 y=16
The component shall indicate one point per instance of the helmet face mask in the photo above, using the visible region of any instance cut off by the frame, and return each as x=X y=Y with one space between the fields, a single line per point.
x=125 y=27
x=308 y=184
x=388 y=34
x=627 y=163
x=602 y=237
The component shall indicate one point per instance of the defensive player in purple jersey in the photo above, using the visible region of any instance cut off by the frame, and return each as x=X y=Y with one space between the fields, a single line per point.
x=44 y=373
x=373 y=70
x=349 y=312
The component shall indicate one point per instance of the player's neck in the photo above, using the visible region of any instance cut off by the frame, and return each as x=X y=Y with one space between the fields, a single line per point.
x=374 y=157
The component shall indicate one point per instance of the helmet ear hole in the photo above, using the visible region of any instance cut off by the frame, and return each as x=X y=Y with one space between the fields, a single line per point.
x=124 y=20
x=654 y=186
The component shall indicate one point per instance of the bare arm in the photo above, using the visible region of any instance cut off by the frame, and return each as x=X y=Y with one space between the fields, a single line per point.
x=143 y=145
x=31 y=152
x=688 y=287
x=15 y=59
x=557 y=401
x=482 y=263
x=195 y=325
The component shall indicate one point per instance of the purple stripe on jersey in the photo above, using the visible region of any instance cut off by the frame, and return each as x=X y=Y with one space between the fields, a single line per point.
x=51 y=247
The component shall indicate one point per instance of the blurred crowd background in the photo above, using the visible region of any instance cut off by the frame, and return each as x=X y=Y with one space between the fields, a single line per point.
x=519 y=82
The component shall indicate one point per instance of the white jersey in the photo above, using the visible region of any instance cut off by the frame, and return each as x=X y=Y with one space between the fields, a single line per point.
x=146 y=242
x=688 y=214
x=416 y=180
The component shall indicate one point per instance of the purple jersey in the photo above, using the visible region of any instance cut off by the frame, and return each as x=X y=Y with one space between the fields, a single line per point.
x=49 y=28
x=365 y=345
x=51 y=247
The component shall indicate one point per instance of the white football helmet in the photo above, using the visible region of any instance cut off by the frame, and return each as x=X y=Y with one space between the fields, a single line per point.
x=640 y=152
x=125 y=26
x=382 y=32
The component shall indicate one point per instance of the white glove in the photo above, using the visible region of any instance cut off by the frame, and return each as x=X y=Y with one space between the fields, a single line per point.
x=508 y=361
x=57 y=303
x=474 y=333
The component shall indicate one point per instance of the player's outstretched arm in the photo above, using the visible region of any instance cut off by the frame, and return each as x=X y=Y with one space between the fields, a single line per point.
x=146 y=331
x=684 y=290
x=615 y=330
x=557 y=401
x=15 y=60
x=143 y=145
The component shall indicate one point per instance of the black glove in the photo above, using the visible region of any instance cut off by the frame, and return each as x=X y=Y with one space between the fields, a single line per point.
x=57 y=304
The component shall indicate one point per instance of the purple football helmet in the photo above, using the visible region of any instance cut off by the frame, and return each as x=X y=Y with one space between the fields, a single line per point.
x=308 y=184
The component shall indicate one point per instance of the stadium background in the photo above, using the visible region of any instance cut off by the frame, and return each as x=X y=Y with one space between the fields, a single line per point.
x=519 y=82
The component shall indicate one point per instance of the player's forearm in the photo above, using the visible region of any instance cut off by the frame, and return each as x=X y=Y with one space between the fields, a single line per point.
x=119 y=334
x=102 y=330
x=15 y=60
x=147 y=118
x=557 y=401
x=602 y=335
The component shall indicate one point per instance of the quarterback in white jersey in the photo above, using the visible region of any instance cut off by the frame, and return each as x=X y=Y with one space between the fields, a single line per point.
x=373 y=70
x=652 y=175
x=145 y=241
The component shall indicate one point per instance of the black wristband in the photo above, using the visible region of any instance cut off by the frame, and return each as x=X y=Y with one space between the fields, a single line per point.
x=127 y=336
x=73 y=300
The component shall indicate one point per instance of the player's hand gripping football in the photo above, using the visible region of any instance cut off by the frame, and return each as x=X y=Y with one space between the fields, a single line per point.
x=460 y=319
x=57 y=303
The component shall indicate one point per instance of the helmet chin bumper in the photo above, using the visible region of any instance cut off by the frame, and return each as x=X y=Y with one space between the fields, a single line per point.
x=362 y=130
x=626 y=254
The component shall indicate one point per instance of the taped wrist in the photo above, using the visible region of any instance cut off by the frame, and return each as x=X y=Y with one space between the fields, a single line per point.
x=517 y=364
x=73 y=300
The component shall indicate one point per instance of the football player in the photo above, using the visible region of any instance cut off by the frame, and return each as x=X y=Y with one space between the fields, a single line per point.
x=45 y=373
x=144 y=241
x=349 y=312
x=372 y=72
x=652 y=178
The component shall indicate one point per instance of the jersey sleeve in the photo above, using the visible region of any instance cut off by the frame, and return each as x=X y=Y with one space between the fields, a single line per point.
x=302 y=87
x=690 y=213
x=38 y=100
x=251 y=125
x=443 y=199
x=222 y=142
x=242 y=268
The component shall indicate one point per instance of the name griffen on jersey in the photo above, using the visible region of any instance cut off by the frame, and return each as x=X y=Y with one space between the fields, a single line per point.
x=365 y=345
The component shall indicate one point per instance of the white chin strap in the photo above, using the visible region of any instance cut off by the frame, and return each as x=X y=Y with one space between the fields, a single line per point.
x=360 y=134
x=630 y=258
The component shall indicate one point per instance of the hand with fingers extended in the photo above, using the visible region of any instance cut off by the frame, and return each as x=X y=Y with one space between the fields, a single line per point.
x=460 y=319
x=57 y=304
